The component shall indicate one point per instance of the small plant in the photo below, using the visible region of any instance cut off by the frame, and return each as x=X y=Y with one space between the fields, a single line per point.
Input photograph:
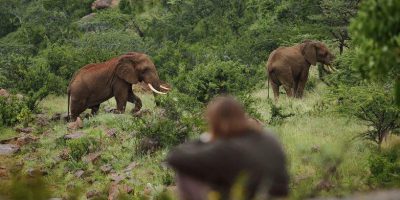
x=10 y=109
x=277 y=114
x=385 y=167
x=80 y=147
x=163 y=133
x=25 y=116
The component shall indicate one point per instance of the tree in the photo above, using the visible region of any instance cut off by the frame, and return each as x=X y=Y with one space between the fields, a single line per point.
x=373 y=104
x=376 y=33
x=335 y=16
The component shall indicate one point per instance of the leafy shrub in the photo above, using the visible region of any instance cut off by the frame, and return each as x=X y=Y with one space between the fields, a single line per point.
x=104 y=20
x=217 y=77
x=373 y=104
x=163 y=133
x=63 y=60
x=377 y=39
x=98 y=47
x=385 y=167
x=25 y=116
x=278 y=114
x=31 y=77
x=311 y=84
x=249 y=104
x=81 y=146
x=345 y=74
x=72 y=8
x=177 y=106
x=10 y=109
x=179 y=118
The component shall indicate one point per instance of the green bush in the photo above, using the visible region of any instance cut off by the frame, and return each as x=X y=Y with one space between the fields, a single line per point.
x=373 y=104
x=105 y=20
x=179 y=118
x=81 y=146
x=385 y=167
x=10 y=109
x=163 y=133
x=98 y=47
x=345 y=74
x=278 y=114
x=217 y=77
x=177 y=106
x=63 y=60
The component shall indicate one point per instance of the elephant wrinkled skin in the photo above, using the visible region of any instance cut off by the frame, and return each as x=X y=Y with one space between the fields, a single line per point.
x=96 y=83
x=289 y=66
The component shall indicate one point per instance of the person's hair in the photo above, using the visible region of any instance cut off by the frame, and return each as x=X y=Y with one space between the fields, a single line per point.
x=227 y=118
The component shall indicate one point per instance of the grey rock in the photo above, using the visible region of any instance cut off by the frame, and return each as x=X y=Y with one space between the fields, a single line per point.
x=74 y=135
x=8 y=149
x=101 y=4
x=112 y=132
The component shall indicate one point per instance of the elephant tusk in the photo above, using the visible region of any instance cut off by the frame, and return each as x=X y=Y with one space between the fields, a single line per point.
x=327 y=68
x=154 y=90
x=332 y=68
x=165 y=88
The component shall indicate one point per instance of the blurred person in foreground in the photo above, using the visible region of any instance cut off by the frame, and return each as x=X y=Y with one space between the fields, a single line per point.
x=237 y=161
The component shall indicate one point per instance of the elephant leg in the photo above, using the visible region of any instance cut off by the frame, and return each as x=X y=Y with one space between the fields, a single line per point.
x=132 y=98
x=121 y=96
x=295 y=88
x=77 y=107
x=301 y=84
x=95 y=109
x=289 y=91
x=275 y=89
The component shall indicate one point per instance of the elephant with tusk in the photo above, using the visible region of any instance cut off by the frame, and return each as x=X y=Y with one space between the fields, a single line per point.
x=96 y=83
x=289 y=66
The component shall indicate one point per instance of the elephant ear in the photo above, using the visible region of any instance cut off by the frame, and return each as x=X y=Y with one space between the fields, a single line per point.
x=126 y=69
x=310 y=53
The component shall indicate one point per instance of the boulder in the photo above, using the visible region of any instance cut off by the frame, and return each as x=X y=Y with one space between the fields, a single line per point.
x=26 y=130
x=8 y=149
x=3 y=172
x=92 y=194
x=59 y=116
x=42 y=120
x=112 y=132
x=74 y=135
x=78 y=124
x=88 y=17
x=25 y=139
x=104 y=4
x=4 y=93
x=91 y=157
x=106 y=168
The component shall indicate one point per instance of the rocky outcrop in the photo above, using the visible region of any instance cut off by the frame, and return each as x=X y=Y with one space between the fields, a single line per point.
x=103 y=4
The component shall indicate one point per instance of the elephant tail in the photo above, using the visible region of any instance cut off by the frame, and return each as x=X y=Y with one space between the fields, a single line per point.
x=268 y=87
x=69 y=99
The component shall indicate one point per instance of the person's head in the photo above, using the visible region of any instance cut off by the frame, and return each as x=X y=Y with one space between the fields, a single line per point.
x=226 y=117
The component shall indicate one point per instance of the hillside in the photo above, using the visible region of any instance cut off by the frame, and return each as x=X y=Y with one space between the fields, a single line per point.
x=340 y=138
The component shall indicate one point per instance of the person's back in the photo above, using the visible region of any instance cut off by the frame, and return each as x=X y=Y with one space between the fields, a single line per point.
x=248 y=157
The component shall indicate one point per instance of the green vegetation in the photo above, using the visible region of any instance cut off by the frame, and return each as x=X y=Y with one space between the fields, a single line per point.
x=340 y=138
